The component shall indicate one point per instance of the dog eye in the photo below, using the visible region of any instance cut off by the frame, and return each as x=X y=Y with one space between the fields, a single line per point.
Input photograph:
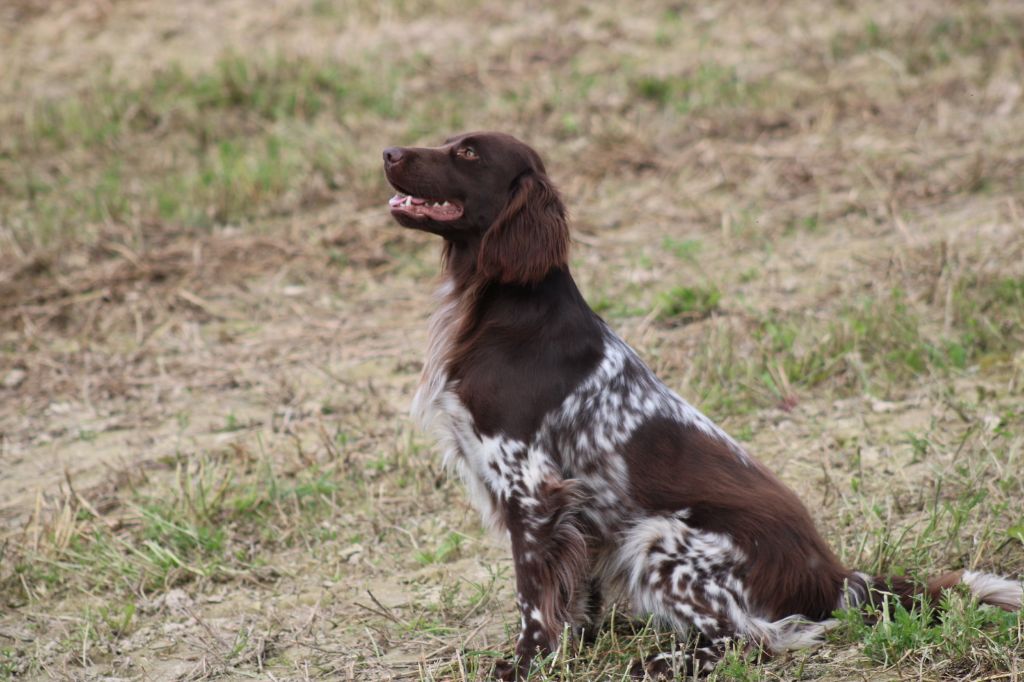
x=467 y=153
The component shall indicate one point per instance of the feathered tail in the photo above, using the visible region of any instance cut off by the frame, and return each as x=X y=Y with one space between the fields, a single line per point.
x=988 y=589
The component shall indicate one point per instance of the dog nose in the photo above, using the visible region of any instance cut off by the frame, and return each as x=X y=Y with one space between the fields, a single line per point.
x=392 y=155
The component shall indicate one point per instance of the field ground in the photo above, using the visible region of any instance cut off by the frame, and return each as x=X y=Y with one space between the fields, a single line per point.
x=808 y=217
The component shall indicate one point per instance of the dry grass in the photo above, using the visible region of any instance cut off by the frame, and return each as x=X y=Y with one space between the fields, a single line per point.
x=809 y=217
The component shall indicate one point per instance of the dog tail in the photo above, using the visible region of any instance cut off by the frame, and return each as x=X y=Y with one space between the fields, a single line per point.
x=994 y=590
x=797 y=632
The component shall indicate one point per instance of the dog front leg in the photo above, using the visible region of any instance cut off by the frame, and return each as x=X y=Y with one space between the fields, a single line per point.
x=550 y=553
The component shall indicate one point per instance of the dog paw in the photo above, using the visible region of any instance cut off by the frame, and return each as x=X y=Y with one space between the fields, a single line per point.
x=654 y=668
x=505 y=671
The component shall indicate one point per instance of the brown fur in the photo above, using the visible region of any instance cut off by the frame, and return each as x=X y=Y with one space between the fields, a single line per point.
x=908 y=591
x=791 y=570
x=529 y=238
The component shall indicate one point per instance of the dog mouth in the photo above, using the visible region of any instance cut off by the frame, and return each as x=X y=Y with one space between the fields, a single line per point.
x=422 y=209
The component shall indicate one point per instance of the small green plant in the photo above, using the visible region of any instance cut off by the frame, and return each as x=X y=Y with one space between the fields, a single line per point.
x=919 y=444
x=231 y=423
x=9 y=666
x=446 y=551
x=684 y=249
x=739 y=664
x=118 y=621
x=807 y=224
x=709 y=86
x=958 y=628
x=685 y=304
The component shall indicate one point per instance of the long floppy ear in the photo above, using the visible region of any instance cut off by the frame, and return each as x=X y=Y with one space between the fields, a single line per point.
x=530 y=236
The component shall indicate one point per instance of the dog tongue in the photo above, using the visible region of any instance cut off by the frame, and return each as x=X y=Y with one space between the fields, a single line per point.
x=398 y=199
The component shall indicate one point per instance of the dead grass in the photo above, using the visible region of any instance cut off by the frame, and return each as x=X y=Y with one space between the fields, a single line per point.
x=806 y=216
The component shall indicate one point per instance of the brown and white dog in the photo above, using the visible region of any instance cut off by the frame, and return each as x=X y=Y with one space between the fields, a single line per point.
x=606 y=481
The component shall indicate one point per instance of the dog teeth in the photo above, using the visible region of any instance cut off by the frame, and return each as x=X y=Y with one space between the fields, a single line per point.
x=412 y=202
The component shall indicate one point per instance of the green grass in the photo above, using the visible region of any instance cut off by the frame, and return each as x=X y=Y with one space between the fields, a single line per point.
x=934 y=42
x=9 y=663
x=970 y=639
x=250 y=138
x=683 y=249
x=709 y=86
x=875 y=346
x=203 y=527
x=447 y=550
x=683 y=304
x=238 y=92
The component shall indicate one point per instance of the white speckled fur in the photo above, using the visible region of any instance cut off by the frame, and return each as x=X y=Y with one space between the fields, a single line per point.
x=616 y=407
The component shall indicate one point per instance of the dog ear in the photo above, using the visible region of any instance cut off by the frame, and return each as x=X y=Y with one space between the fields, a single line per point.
x=530 y=237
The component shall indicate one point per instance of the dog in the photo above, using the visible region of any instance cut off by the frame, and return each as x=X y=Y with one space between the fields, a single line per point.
x=604 y=479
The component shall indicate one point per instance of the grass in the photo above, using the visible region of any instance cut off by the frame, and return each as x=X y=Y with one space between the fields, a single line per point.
x=687 y=303
x=871 y=347
x=202 y=527
x=246 y=139
x=807 y=218
x=709 y=86
x=934 y=43
x=966 y=638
